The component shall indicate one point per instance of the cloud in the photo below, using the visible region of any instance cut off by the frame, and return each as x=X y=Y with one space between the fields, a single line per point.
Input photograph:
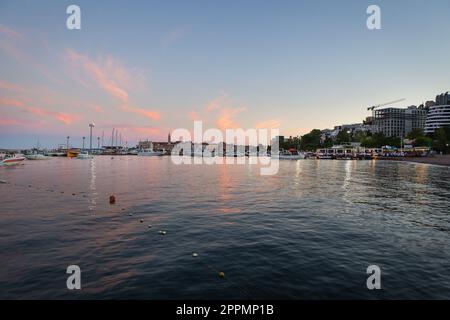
x=11 y=102
x=10 y=33
x=226 y=118
x=151 y=114
x=10 y=86
x=268 y=124
x=96 y=108
x=216 y=103
x=66 y=118
x=110 y=77
x=113 y=78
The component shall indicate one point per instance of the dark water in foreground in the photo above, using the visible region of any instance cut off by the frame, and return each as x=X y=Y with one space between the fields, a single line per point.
x=308 y=232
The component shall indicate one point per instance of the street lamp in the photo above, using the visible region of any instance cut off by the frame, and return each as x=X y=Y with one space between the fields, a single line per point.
x=98 y=143
x=91 y=125
x=68 y=143
x=83 y=142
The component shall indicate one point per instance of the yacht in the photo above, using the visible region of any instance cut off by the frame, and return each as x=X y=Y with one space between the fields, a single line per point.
x=291 y=155
x=84 y=155
x=10 y=161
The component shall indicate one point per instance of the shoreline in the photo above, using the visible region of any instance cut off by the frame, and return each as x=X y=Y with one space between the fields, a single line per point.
x=441 y=160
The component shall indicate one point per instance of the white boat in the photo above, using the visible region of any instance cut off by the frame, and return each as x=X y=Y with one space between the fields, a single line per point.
x=291 y=155
x=84 y=155
x=12 y=161
x=149 y=153
x=36 y=156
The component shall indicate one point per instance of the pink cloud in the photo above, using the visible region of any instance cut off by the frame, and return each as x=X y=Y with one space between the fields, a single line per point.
x=10 y=86
x=110 y=77
x=151 y=114
x=226 y=118
x=11 y=102
x=268 y=124
x=66 y=118
x=10 y=33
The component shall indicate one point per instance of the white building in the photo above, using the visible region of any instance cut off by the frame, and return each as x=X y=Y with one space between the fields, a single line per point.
x=438 y=115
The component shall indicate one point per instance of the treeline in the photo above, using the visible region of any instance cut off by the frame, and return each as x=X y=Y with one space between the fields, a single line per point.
x=438 y=141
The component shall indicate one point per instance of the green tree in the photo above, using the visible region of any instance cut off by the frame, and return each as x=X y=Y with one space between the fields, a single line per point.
x=343 y=137
x=415 y=133
x=311 y=141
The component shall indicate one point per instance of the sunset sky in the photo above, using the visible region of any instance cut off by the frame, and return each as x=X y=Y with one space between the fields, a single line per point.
x=149 y=67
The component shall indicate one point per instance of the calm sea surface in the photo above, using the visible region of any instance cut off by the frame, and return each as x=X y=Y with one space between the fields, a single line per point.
x=308 y=232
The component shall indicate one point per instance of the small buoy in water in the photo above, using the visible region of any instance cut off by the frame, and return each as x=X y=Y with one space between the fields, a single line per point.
x=112 y=199
x=142 y=220
x=221 y=274
x=123 y=209
x=3 y=181
x=162 y=232
x=112 y=157
x=149 y=226
x=195 y=254
x=73 y=194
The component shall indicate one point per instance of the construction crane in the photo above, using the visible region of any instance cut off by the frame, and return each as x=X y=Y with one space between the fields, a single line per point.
x=384 y=104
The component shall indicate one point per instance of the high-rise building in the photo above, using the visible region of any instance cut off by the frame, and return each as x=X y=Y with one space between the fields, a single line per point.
x=439 y=114
x=398 y=122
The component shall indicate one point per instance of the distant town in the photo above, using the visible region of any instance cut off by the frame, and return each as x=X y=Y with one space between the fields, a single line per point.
x=414 y=131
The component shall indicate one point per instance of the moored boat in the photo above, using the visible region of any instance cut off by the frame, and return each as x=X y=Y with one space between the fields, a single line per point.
x=72 y=153
x=12 y=161
x=84 y=155
x=291 y=155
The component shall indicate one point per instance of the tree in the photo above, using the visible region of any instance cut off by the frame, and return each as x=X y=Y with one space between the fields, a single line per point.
x=311 y=141
x=415 y=133
x=441 y=139
x=422 y=141
x=343 y=137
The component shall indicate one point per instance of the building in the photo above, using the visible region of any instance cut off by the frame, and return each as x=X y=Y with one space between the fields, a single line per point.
x=438 y=114
x=398 y=122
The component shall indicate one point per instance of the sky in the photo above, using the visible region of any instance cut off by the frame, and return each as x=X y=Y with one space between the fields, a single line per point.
x=149 y=67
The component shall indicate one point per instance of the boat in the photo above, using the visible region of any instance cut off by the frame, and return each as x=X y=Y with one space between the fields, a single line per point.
x=149 y=153
x=72 y=153
x=291 y=155
x=12 y=161
x=84 y=155
x=36 y=156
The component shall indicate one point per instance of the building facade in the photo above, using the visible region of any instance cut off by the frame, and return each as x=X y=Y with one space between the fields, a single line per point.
x=438 y=114
x=398 y=122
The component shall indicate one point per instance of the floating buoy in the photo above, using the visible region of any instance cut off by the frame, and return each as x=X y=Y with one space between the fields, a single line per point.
x=195 y=254
x=149 y=226
x=112 y=199
x=221 y=274
x=162 y=232
x=142 y=220
x=130 y=214
x=3 y=181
